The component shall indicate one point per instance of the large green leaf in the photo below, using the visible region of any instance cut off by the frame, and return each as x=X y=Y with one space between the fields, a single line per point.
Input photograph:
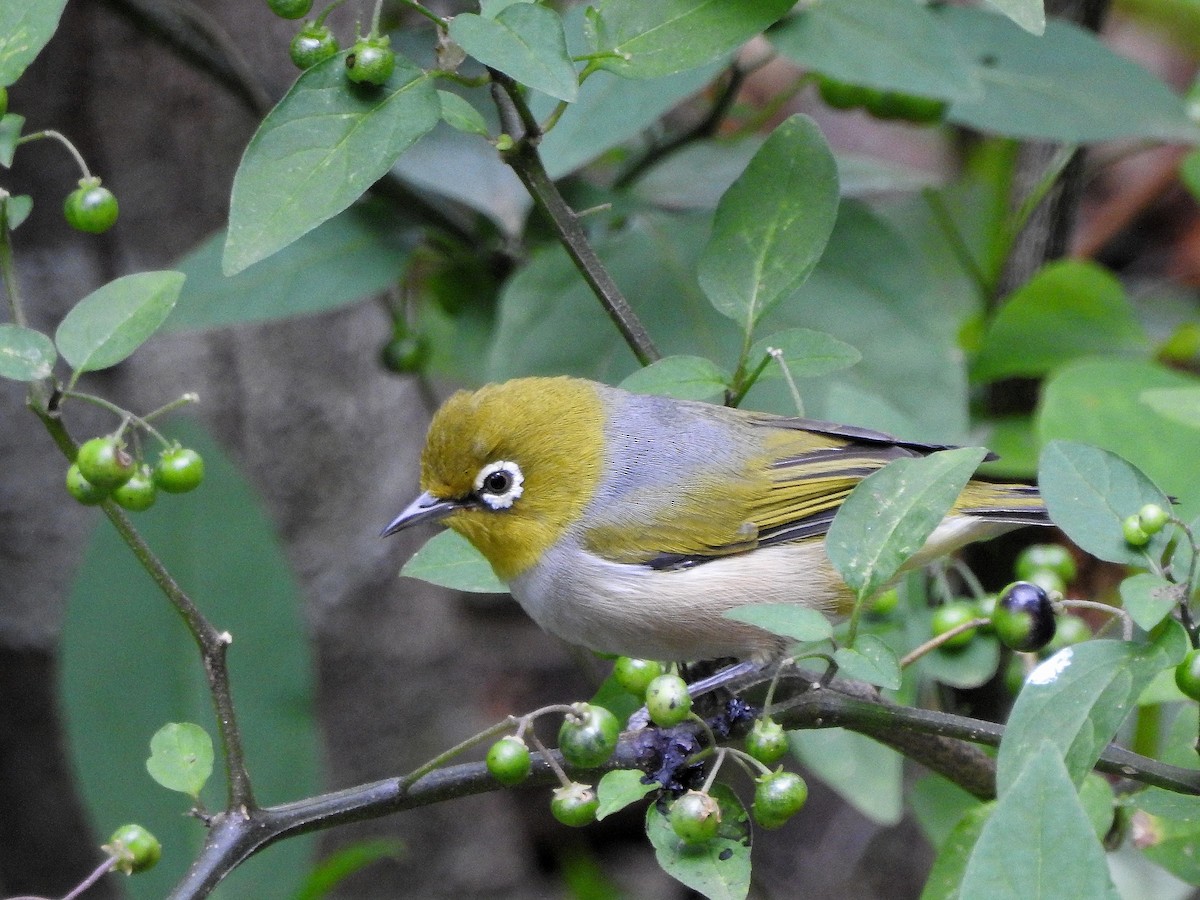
x=772 y=225
x=129 y=668
x=1068 y=309
x=1100 y=402
x=954 y=853
x=1077 y=699
x=1063 y=86
x=353 y=255
x=25 y=27
x=25 y=354
x=898 y=46
x=1089 y=492
x=646 y=40
x=325 y=143
x=447 y=559
x=114 y=320
x=865 y=773
x=681 y=377
x=1038 y=843
x=1180 y=405
x=888 y=517
x=524 y=41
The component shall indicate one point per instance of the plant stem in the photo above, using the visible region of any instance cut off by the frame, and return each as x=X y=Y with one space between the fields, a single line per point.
x=958 y=247
x=8 y=271
x=416 y=7
x=62 y=139
x=523 y=158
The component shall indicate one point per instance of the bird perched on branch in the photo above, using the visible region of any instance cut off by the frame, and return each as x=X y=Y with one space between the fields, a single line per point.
x=630 y=524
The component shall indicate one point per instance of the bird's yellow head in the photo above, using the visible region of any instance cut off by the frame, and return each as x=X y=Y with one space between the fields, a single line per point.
x=510 y=466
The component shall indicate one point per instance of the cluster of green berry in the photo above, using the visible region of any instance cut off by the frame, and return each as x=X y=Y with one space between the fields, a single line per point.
x=1022 y=616
x=589 y=735
x=104 y=468
x=891 y=105
x=1148 y=521
x=370 y=60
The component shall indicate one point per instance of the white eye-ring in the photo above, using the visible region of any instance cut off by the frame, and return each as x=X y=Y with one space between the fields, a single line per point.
x=498 y=484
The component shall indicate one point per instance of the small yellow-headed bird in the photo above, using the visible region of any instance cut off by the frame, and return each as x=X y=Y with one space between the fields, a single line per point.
x=630 y=524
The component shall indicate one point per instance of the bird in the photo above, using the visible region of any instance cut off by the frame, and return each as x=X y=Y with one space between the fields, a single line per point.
x=629 y=524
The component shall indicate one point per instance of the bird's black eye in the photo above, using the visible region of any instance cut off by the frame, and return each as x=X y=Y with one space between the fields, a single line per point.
x=499 y=484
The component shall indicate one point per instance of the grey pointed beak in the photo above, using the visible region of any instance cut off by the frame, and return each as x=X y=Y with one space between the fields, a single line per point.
x=426 y=508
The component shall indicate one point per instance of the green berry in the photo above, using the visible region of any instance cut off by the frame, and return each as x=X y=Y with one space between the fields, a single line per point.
x=370 y=61
x=290 y=9
x=134 y=849
x=312 y=44
x=1048 y=581
x=138 y=493
x=1053 y=557
x=668 y=700
x=405 y=353
x=575 y=804
x=90 y=207
x=3 y=102
x=105 y=463
x=635 y=675
x=1070 y=630
x=885 y=603
x=1187 y=675
x=1024 y=618
x=1135 y=535
x=767 y=742
x=777 y=797
x=695 y=817
x=951 y=615
x=508 y=760
x=588 y=735
x=1153 y=518
x=82 y=489
x=179 y=470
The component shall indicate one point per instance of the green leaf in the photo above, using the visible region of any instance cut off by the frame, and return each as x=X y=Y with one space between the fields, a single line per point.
x=1097 y=799
x=25 y=354
x=869 y=660
x=890 y=46
x=354 y=255
x=938 y=805
x=1068 y=309
x=1180 y=405
x=1029 y=14
x=318 y=150
x=963 y=667
x=785 y=619
x=1099 y=402
x=646 y=40
x=1148 y=598
x=181 y=757
x=25 y=27
x=681 y=377
x=1038 y=840
x=772 y=225
x=865 y=773
x=954 y=854
x=461 y=115
x=1063 y=86
x=524 y=41
x=1076 y=700
x=806 y=353
x=719 y=869
x=1089 y=492
x=17 y=209
x=10 y=130
x=889 y=515
x=449 y=560
x=339 y=865
x=125 y=653
x=620 y=788
x=111 y=322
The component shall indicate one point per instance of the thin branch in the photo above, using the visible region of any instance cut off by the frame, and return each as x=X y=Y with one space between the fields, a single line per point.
x=523 y=157
x=213 y=644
